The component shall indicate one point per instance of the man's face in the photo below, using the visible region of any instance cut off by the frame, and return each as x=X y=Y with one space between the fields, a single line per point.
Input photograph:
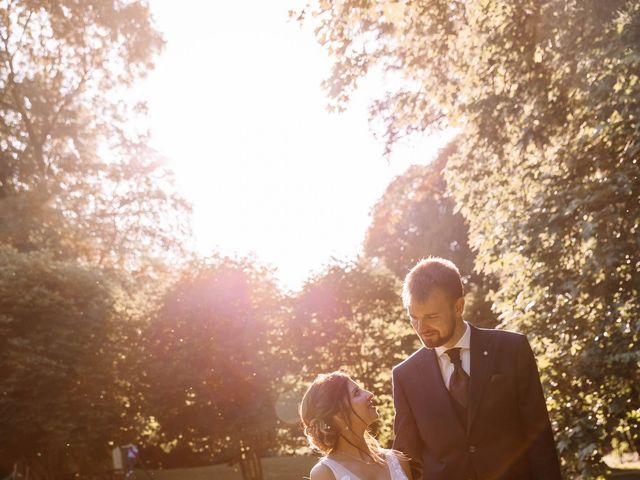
x=436 y=320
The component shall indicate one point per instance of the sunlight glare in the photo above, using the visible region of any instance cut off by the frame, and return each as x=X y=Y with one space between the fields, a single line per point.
x=236 y=105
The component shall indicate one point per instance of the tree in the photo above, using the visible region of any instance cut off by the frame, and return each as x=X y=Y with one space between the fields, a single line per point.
x=213 y=362
x=75 y=177
x=545 y=94
x=414 y=219
x=61 y=401
x=350 y=317
x=82 y=200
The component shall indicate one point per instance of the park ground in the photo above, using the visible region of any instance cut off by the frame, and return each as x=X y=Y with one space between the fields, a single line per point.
x=297 y=468
x=274 y=468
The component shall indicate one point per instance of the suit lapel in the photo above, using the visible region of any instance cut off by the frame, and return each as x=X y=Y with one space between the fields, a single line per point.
x=482 y=356
x=441 y=415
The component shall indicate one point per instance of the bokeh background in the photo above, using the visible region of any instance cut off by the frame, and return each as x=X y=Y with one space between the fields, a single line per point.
x=203 y=206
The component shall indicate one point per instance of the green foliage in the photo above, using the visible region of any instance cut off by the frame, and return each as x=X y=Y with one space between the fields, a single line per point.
x=213 y=361
x=73 y=178
x=61 y=401
x=350 y=317
x=545 y=95
x=92 y=220
x=414 y=219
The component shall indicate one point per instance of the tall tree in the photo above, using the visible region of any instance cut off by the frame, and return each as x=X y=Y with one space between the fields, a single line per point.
x=82 y=199
x=75 y=176
x=545 y=94
x=350 y=317
x=416 y=218
x=213 y=362
x=61 y=401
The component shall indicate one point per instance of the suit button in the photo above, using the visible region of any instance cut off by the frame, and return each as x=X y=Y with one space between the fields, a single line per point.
x=472 y=449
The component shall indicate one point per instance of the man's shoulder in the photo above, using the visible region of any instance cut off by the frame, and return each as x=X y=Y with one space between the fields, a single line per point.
x=410 y=360
x=504 y=336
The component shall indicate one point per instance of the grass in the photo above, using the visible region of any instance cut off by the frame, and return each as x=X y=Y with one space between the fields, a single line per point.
x=274 y=468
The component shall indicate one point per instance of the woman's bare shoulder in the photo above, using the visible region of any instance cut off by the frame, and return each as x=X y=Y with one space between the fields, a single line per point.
x=321 y=472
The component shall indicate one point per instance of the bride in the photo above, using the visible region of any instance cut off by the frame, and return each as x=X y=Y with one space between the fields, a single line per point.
x=336 y=413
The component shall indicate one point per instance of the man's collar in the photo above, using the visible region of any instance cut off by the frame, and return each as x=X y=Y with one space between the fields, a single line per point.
x=464 y=342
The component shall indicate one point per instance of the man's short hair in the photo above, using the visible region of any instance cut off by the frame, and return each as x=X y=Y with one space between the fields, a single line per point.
x=429 y=274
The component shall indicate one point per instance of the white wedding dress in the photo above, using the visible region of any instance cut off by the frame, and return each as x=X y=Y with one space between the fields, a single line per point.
x=341 y=473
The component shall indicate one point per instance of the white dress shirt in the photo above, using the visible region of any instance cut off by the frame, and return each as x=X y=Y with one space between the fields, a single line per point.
x=446 y=367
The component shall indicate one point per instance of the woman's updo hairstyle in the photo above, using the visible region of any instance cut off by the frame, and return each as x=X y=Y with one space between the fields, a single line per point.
x=326 y=397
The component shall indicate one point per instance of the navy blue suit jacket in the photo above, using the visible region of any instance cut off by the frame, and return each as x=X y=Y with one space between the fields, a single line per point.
x=507 y=435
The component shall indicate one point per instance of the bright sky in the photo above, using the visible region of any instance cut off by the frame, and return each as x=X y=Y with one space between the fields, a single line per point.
x=236 y=106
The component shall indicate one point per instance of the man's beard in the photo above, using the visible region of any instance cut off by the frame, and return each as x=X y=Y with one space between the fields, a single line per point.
x=439 y=340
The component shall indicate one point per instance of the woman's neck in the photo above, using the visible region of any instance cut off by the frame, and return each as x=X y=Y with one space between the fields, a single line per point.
x=353 y=446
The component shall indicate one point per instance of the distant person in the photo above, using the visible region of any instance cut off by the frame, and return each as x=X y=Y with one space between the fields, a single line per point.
x=336 y=413
x=469 y=404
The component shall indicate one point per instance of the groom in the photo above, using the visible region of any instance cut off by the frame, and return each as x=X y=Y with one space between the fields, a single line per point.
x=468 y=406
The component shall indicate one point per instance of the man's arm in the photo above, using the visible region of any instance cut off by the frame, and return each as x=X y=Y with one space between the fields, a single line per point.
x=407 y=438
x=541 y=451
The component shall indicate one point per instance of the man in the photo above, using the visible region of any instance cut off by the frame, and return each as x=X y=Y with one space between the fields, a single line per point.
x=469 y=405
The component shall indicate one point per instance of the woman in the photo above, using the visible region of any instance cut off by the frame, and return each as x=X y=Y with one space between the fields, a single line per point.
x=336 y=413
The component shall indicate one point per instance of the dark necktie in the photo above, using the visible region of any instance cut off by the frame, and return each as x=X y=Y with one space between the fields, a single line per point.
x=459 y=382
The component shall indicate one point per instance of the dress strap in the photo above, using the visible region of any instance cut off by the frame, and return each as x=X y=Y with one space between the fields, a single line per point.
x=395 y=468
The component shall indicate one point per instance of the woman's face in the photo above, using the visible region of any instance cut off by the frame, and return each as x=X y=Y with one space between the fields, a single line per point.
x=363 y=409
